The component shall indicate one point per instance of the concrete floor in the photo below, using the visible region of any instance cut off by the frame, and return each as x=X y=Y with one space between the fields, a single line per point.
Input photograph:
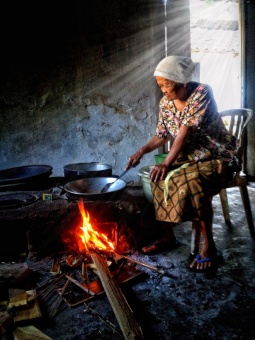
x=183 y=304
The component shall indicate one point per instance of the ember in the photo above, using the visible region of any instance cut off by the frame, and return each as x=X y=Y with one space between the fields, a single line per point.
x=90 y=237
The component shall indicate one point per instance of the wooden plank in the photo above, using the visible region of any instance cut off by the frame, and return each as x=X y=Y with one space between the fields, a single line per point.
x=17 y=298
x=31 y=312
x=123 y=312
x=31 y=295
x=29 y=333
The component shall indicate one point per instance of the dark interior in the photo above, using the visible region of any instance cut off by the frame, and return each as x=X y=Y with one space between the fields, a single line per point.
x=77 y=98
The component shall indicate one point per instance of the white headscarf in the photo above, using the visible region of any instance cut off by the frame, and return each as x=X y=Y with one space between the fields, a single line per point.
x=176 y=68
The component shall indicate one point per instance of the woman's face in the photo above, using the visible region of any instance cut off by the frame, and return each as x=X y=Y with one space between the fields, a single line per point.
x=168 y=87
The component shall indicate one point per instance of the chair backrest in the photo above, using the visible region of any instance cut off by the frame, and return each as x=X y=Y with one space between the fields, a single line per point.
x=236 y=121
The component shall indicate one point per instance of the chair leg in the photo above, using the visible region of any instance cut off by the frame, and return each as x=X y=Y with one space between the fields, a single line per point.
x=247 y=208
x=195 y=238
x=224 y=204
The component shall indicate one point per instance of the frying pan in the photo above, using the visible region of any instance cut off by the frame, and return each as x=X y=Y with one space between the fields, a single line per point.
x=85 y=170
x=25 y=173
x=111 y=184
x=91 y=187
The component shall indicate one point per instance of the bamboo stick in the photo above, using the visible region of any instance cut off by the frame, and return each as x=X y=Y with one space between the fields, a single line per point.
x=51 y=286
x=57 y=303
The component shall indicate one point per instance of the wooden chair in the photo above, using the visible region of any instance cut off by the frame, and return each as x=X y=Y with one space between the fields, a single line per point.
x=236 y=121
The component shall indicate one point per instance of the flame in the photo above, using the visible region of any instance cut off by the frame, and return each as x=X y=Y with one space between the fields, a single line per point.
x=90 y=237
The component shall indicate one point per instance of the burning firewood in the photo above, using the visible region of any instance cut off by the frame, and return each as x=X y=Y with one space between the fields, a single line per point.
x=74 y=260
x=93 y=241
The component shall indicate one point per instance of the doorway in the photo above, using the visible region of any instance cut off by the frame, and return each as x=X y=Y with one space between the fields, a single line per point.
x=217 y=48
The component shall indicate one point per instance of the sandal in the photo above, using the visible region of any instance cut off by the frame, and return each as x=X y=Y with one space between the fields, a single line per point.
x=159 y=246
x=214 y=260
x=219 y=255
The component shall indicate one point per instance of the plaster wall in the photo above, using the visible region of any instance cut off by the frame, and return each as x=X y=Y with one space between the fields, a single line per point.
x=77 y=79
x=77 y=82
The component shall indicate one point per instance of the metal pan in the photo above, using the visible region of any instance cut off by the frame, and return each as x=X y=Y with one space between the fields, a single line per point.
x=25 y=174
x=91 y=187
x=16 y=200
x=85 y=170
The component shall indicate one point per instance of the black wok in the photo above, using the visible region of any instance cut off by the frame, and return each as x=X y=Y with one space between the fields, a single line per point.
x=85 y=170
x=25 y=173
x=91 y=187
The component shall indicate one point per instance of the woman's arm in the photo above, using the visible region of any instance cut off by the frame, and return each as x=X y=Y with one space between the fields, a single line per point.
x=153 y=144
x=160 y=171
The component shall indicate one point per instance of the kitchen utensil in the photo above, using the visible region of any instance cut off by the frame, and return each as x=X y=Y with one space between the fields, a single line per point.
x=16 y=200
x=89 y=188
x=144 y=173
x=108 y=185
x=85 y=170
x=27 y=173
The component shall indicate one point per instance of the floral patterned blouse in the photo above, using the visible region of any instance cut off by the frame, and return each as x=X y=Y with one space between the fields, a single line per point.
x=208 y=137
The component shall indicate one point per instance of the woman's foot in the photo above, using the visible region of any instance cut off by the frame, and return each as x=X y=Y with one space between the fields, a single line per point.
x=203 y=262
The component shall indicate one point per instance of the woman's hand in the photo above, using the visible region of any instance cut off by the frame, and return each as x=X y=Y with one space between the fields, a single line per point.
x=159 y=172
x=153 y=144
x=134 y=160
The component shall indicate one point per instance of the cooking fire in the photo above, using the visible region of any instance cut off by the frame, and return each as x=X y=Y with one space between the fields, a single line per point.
x=91 y=266
x=97 y=269
x=90 y=237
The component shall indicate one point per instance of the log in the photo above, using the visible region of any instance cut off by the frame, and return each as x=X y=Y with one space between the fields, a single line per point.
x=124 y=315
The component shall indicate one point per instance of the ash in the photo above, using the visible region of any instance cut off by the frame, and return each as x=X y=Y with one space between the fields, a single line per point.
x=177 y=304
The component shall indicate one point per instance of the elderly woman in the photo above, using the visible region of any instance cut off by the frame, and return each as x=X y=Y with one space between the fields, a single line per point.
x=201 y=157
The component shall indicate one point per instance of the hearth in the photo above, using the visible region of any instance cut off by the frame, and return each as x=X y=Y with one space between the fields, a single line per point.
x=50 y=214
x=84 y=240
